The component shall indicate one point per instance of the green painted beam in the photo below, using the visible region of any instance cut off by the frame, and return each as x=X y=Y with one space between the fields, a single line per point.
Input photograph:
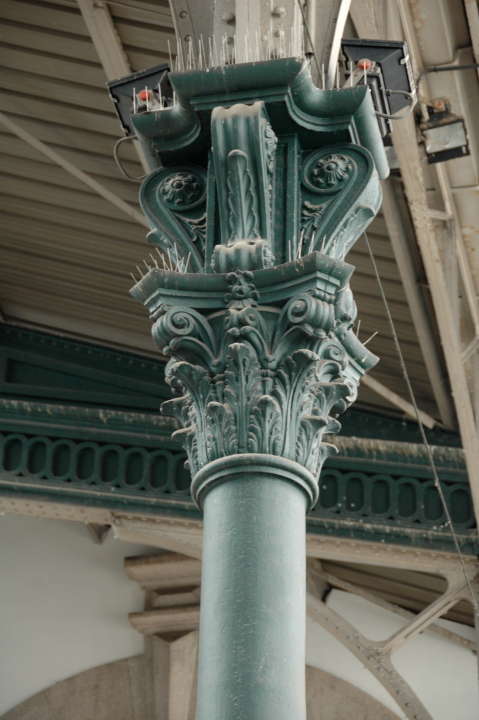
x=40 y=369
x=361 y=497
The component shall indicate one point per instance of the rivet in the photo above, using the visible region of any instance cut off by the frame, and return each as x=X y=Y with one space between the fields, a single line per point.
x=278 y=11
x=183 y=14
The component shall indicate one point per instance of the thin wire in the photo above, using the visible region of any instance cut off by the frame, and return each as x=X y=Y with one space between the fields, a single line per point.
x=118 y=161
x=310 y=39
x=432 y=463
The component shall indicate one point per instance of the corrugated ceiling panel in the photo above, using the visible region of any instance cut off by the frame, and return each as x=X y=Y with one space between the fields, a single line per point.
x=67 y=253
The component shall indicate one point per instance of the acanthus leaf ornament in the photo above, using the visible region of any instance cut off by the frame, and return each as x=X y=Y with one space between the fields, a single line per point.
x=258 y=379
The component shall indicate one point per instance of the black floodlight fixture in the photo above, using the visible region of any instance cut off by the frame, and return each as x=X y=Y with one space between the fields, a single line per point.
x=139 y=92
x=444 y=133
x=385 y=67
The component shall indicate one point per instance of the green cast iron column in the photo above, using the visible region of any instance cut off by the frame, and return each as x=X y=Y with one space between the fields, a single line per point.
x=254 y=311
x=252 y=636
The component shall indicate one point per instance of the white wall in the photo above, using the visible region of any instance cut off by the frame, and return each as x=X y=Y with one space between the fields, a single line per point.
x=443 y=675
x=64 y=603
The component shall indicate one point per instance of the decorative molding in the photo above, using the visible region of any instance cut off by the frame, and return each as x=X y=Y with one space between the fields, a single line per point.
x=244 y=159
x=41 y=366
x=174 y=200
x=382 y=506
x=102 y=468
x=339 y=199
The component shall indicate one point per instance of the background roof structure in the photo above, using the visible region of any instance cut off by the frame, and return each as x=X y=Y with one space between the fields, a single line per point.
x=67 y=252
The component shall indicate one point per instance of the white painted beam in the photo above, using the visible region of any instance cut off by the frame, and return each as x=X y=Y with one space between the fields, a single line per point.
x=164 y=571
x=105 y=38
x=398 y=401
x=407 y=150
x=183 y=672
x=109 y=48
x=160 y=621
x=398 y=235
x=379 y=600
x=93 y=184
x=472 y=12
x=370 y=654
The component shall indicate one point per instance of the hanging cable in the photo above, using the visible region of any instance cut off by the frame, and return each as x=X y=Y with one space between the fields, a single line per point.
x=422 y=431
x=118 y=161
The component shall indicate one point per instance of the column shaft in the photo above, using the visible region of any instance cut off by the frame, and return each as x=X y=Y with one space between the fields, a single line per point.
x=252 y=627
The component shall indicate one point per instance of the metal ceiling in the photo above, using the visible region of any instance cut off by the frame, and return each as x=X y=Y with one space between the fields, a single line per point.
x=66 y=253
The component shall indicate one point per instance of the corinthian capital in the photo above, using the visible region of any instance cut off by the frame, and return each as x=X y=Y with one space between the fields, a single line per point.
x=254 y=308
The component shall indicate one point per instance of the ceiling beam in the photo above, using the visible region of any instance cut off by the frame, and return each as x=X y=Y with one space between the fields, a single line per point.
x=410 y=162
x=472 y=12
x=109 y=48
x=339 y=578
x=93 y=184
x=398 y=401
x=398 y=231
x=369 y=653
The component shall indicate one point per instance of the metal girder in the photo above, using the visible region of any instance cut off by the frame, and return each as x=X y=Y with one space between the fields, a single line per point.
x=185 y=537
x=243 y=29
x=108 y=46
x=376 y=655
x=385 y=392
x=55 y=157
x=369 y=655
x=339 y=582
x=251 y=24
x=405 y=143
x=472 y=12
x=398 y=230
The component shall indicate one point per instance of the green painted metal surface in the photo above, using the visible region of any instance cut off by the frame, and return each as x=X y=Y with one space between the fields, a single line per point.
x=252 y=650
x=148 y=475
x=37 y=365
